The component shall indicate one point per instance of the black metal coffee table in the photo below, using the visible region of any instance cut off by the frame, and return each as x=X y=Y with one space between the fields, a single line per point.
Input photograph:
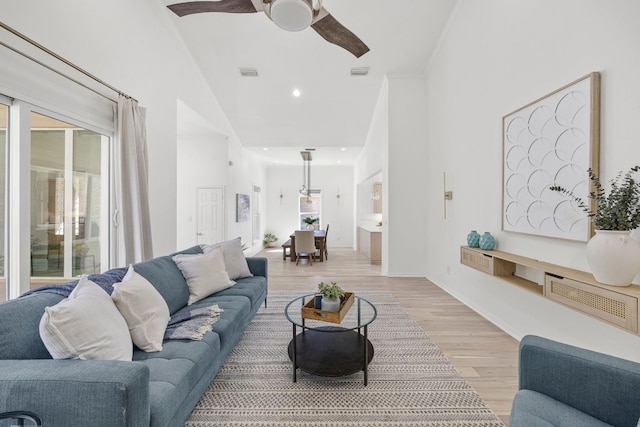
x=327 y=349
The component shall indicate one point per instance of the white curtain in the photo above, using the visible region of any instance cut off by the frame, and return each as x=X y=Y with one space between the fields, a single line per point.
x=131 y=218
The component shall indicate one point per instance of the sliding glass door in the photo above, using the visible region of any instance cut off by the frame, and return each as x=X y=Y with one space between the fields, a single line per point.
x=68 y=188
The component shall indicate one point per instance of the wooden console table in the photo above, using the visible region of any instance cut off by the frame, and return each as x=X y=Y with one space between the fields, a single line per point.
x=577 y=289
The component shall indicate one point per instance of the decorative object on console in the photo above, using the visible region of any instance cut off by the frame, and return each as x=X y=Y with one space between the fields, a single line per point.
x=487 y=242
x=331 y=294
x=551 y=141
x=473 y=239
x=613 y=255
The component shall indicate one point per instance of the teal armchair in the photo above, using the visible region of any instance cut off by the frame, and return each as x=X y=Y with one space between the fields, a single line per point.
x=565 y=386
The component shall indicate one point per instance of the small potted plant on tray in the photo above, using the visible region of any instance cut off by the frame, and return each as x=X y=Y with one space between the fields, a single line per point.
x=331 y=294
x=269 y=240
x=614 y=257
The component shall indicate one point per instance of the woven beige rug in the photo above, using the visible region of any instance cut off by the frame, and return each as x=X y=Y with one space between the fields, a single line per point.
x=411 y=382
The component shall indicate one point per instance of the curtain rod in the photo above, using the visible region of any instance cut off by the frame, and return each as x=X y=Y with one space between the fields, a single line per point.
x=61 y=59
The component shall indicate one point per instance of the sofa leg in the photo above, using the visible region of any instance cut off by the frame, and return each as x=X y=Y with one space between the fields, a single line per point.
x=265 y=302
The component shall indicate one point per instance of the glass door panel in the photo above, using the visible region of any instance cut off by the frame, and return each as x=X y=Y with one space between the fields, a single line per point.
x=66 y=187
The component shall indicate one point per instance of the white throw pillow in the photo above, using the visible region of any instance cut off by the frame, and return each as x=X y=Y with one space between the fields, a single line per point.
x=234 y=260
x=86 y=325
x=143 y=308
x=204 y=273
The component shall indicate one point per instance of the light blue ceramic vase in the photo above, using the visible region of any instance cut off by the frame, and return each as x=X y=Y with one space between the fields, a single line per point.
x=473 y=239
x=487 y=241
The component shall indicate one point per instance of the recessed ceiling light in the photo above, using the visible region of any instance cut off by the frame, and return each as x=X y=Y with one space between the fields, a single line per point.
x=265 y=149
x=343 y=149
x=296 y=93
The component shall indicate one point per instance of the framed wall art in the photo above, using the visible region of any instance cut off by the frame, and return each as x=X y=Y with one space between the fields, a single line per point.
x=242 y=207
x=551 y=141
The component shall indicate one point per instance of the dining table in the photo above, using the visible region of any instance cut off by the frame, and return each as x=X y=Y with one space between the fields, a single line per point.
x=320 y=237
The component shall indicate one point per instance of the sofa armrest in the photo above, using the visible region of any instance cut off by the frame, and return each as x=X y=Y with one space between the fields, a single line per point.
x=77 y=392
x=257 y=266
x=602 y=386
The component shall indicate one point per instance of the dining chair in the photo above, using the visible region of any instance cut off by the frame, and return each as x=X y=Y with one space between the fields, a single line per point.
x=305 y=245
x=326 y=251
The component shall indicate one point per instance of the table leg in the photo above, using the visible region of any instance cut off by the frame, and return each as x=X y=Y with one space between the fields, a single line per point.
x=295 y=351
x=366 y=357
x=292 y=251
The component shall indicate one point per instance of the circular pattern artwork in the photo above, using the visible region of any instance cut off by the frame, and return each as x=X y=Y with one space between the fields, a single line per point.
x=546 y=143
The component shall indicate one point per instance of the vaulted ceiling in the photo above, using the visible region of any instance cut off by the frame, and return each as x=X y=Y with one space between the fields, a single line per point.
x=334 y=109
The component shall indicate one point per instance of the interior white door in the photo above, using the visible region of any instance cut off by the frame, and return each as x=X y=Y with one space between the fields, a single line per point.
x=210 y=215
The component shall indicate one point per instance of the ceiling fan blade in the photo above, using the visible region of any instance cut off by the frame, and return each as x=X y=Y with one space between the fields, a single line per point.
x=228 y=6
x=334 y=32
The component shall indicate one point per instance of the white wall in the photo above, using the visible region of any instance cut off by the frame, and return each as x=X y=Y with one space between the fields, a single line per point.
x=132 y=45
x=497 y=56
x=405 y=198
x=202 y=160
x=282 y=212
x=244 y=172
x=373 y=162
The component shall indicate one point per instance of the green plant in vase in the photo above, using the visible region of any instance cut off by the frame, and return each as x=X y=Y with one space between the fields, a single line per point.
x=269 y=239
x=618 y=211
x=614 y=257
x=331 y=294
x=310 y=222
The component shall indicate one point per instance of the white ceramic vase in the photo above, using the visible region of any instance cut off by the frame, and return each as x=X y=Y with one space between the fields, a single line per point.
x=330 y=304
x=614 y=257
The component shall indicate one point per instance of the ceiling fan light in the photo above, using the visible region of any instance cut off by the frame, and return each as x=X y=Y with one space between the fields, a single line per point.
x=291 y=15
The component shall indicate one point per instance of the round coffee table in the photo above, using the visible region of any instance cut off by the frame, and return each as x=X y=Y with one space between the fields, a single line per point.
x=327 y=349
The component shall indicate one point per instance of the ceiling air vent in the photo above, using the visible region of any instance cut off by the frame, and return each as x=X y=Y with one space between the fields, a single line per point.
x=360 y=71
x=248 y=72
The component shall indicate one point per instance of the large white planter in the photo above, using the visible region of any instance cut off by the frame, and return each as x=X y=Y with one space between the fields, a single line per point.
x=614 y=257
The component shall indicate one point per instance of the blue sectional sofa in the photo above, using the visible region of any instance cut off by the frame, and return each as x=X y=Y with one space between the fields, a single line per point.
x=155 y=389
x=566 y=386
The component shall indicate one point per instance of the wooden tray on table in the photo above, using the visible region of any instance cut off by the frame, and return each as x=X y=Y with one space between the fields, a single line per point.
x=308 y=312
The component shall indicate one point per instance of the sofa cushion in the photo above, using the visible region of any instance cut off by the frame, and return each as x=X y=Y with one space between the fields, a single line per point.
x=205 y=273
x=86 y=325
x=174 y=371
x=235 y=316
x=166 y=277
x=19 y=320
x=254 y=288
x=533 y=409
x=234 y=260
x=143 y=308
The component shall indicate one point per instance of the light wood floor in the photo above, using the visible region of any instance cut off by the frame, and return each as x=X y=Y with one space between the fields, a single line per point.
x=481 y=352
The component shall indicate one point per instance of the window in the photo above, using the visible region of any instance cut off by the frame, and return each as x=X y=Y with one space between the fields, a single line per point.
x=310 y=207
x=67 y=176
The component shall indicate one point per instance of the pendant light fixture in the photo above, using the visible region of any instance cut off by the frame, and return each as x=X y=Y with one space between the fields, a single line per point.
x=306 y=175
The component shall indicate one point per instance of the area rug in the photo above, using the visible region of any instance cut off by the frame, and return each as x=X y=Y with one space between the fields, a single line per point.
x=411 y=382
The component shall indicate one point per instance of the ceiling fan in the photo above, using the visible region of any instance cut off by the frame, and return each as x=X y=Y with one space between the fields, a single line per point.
x=290 y=15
